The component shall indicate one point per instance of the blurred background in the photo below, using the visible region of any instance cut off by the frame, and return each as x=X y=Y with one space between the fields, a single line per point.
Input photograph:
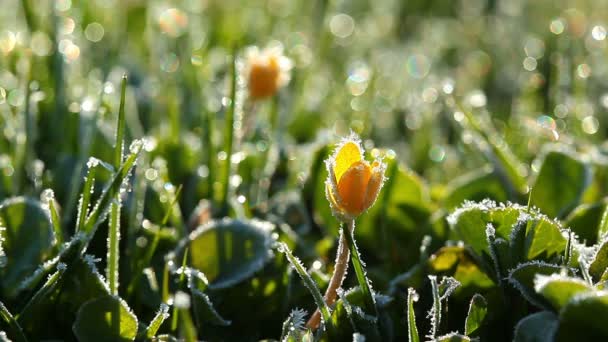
x=389 y=70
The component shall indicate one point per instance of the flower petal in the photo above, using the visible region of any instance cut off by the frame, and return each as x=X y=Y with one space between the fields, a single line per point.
x=374 y=185
x=346 y=155
x=352 y=187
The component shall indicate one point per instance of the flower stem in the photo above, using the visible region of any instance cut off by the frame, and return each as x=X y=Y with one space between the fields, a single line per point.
x=370 y=302
x=337 y=278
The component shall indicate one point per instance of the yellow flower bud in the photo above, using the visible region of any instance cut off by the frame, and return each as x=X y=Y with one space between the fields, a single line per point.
x=266 y=71
x=352 y=185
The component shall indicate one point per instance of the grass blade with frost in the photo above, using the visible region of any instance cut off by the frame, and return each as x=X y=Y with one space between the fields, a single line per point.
x=157 y=321
x=412 y=329
x=310 y=284
x=15 y=328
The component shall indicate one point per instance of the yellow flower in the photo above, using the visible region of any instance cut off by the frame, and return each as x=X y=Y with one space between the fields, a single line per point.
x=352 y=185
x=266 y=71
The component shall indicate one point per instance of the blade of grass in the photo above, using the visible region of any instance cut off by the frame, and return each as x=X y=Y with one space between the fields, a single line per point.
x=412 y=296
x=113 y=247
x=180 y=286
x=114 y=227
x=157 y=321
x=87 y=191
x=49 y=286
x=15 y=328
x=308 y=282
x=101 y=207
x=120 y=128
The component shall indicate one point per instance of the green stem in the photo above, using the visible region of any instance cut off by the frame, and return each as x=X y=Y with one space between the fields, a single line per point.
x=268 y=162
x=340 y=268
x=229 y=136
x=113 y=251
x=370 y=302
x=211 y=154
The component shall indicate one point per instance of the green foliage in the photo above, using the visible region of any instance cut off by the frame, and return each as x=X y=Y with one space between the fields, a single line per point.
x=26 y=240
x=229 y=251
x=105 y=318
x=477 y=313
x=175 y=205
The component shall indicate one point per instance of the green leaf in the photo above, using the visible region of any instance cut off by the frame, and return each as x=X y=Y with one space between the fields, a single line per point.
x=204 y=312
x=348 y=317
x=584 y=318
x=26 y=239
x=42 y=302
x=600 y=262
x=157 y=321
x=558 y=290
x=560 y=182
x=470 y=220
x=412 y=329
x=585 y=220
x=603 y=226
x=543 y=236
x=522 y=278
x=229 y=251
x=544 y=239
x=105 y=318
x=457 y=262
x=537 y=327
x=475 y=186
x=478 y=310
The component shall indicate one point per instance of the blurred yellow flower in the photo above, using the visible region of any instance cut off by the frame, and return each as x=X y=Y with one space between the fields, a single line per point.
x=266 y=71
x=352 y=185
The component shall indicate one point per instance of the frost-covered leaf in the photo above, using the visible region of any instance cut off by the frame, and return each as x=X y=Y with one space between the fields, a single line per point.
x=293 y=327
x=229 y=251
x=584 y=318
x=558 y=290
x=537 y=327
x=105 y=318
x=204 y=312
x=471 y=219
x=157 y=321
x=26 y=239
x=600 y=262
x=348 y=316
x=542 y=237
x=478 y=310
x=522 y=278
x=585 y=220
x=560 y=182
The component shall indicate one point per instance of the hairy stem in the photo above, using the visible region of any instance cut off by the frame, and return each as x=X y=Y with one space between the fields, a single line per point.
x=342 y=257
